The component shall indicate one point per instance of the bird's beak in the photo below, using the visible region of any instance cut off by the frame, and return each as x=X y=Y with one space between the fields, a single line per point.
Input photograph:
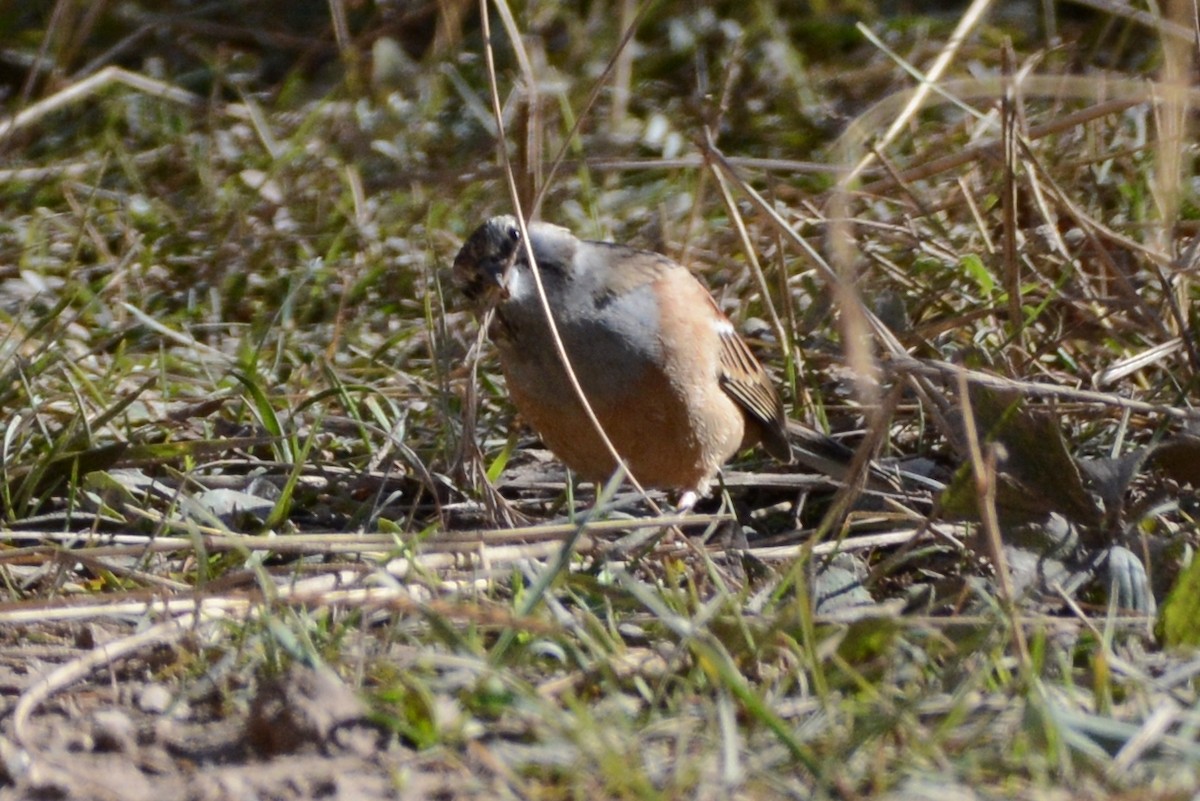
x=482 y=280
x=494 y=272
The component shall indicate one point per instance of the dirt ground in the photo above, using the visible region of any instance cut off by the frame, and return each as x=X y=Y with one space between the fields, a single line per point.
x=118 y=734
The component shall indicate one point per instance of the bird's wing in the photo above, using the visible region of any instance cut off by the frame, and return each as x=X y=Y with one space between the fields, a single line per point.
x=745 y=380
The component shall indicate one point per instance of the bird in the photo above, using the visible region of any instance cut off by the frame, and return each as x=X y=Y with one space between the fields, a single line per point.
x=675 y=388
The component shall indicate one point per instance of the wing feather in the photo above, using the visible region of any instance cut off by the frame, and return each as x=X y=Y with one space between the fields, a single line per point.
x=746 y=381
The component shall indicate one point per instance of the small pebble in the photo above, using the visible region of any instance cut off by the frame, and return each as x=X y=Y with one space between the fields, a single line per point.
x=113 y=730
x=154 y=699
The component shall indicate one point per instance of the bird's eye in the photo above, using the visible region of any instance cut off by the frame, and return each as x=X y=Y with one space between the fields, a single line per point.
x=514 y=234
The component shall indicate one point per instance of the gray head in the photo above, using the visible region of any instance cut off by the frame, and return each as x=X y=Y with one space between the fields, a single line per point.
x=484 y=260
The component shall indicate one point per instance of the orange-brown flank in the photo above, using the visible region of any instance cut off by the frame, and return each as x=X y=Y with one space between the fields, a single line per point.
x=674 y=425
